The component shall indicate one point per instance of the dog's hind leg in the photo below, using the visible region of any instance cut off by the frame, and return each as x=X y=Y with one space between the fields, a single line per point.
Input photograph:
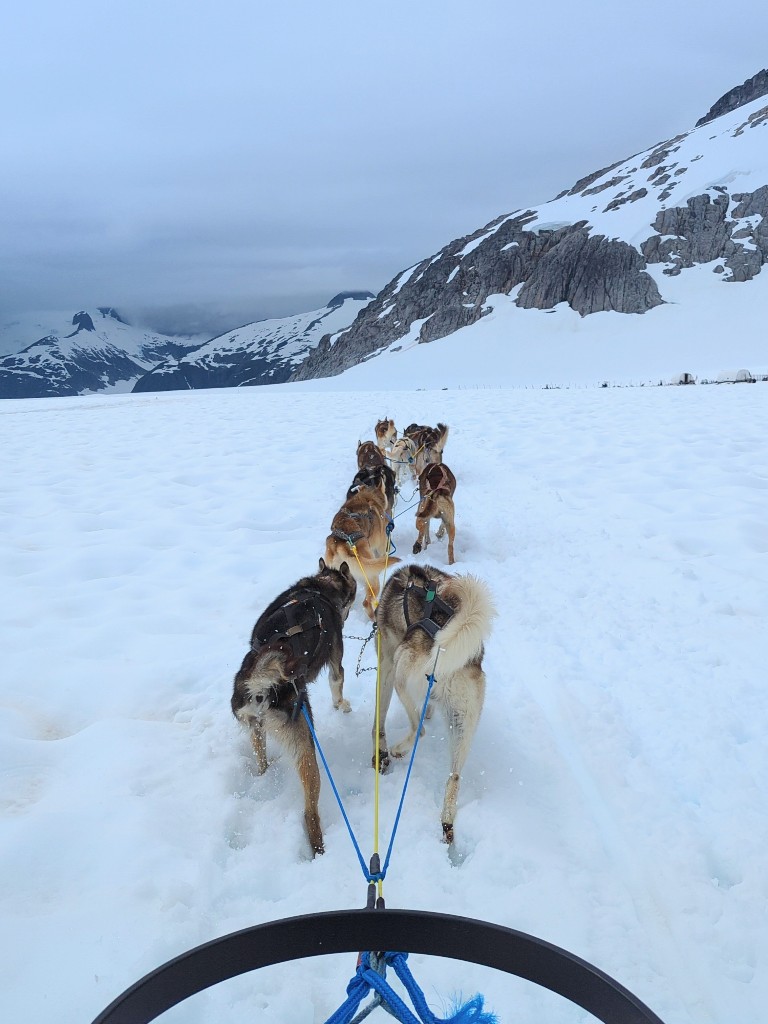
x=303 y=750
x=463 y=704
x=451 y=537
x=259 y=744
x=403 y=675
x=423 y=540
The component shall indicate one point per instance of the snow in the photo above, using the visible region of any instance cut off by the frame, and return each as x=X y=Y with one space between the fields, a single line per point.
x=614 y=799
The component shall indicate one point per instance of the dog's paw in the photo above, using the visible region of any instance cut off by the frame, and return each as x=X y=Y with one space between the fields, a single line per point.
x=343 y=705
x=416 y=548
x=383 y=762
x=256 y=766
x=403 y=748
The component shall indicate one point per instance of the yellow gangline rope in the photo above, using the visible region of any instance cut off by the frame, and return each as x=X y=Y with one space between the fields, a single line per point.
x=377 y=761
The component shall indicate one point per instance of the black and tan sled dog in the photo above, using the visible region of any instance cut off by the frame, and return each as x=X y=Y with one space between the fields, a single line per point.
x=292 y=642
x=423 y=615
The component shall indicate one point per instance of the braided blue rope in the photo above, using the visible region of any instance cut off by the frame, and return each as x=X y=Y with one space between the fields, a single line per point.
x=367 y=978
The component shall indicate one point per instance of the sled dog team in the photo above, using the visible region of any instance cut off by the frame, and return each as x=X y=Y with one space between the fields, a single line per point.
x=429 y=621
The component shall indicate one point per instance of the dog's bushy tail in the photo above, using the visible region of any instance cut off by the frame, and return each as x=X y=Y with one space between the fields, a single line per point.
x=440 y=443
x=461 y=639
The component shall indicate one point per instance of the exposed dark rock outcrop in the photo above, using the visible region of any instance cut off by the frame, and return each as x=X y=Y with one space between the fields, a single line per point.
x=81 y=322
x=752 y=89
x=703 y=230
x=592 y=274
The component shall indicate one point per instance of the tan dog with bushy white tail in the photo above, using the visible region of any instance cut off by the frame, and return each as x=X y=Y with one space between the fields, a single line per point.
x=432 y=622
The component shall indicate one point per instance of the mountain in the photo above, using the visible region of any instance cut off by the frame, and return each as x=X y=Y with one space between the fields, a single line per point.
x=97 y=351
x=92 y=351
x=700 y=198
x=265 y=352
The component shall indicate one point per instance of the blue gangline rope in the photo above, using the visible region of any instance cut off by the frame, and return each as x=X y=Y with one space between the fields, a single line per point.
x=377 y=876
x=366 y=872
x=372 y=976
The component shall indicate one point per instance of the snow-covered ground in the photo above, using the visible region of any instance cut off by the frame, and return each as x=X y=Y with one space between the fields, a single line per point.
x=614 y=800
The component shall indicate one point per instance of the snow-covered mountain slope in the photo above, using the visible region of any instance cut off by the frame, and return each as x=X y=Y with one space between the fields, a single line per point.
x=699 y=198
x=92 y=351
x=265 y=352
x=719 y=164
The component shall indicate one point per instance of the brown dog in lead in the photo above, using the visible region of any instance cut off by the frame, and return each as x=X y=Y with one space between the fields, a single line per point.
x=429 y=443
x=433 y=624
x=437 y=485
x=359 y=536
x=292 y=641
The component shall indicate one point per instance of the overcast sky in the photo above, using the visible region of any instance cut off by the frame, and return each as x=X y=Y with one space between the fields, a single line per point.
x=236 y=160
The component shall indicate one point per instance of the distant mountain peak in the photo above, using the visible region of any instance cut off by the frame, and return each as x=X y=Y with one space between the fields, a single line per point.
x=752 y=89
x=81 y=322
x=341 y=298
x=111 y=312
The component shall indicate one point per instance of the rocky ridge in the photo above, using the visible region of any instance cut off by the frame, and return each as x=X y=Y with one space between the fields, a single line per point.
x=678 y=204
x=263 y=352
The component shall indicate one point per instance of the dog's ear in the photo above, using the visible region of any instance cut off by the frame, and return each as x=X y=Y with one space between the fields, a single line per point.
x=322 y=565
x=344 y=570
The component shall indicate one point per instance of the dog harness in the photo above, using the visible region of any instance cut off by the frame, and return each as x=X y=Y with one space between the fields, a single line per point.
x=291 y=620
x=432 y=604
x=444 y=485
x=287 y=625
x=352 y=538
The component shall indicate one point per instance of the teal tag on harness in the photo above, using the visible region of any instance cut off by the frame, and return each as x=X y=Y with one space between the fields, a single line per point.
x=431 y=594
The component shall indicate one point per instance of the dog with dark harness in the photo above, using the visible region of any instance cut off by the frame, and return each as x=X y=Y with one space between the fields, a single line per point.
x=376 y=476
x=433 y=625
x=294 y=639
x=437 y=485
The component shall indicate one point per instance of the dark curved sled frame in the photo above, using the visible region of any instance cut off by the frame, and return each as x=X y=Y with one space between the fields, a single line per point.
x=348 y=931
